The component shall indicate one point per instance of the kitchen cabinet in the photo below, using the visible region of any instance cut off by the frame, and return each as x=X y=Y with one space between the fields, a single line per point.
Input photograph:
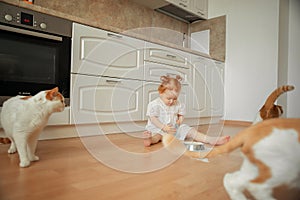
x=113 y=78
x=153 y=72
x=166 y=61
x=151 y=93
x=164 y=55
x=200 y=94
x=98 y=99
x=180 y=3
x=105 y=72
x=217 y=87
x=208 y=87
x=199 y=7
x=99 y=52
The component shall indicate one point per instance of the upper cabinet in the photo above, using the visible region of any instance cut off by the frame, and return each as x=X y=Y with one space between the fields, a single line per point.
x=185 y=10
x=180 y=3
x=199 y=7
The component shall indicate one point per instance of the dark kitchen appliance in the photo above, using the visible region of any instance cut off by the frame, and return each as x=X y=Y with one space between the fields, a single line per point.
x=35 y=52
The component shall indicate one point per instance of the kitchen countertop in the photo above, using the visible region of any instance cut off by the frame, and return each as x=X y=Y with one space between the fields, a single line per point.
x=101 y=26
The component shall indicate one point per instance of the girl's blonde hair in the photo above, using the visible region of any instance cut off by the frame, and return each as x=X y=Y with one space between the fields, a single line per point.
x=169 y=83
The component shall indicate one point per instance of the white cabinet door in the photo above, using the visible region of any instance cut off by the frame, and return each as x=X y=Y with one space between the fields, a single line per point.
x=216 y=76
x=99 y=52
x=208 y=85
x=200 y=97
x=101 y=99
x=199 y=7
x=151 y=92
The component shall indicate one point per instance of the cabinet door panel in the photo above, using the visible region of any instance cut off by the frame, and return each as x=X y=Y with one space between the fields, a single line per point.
x=217 y=89
x=98 y=52
x=153 y=72
x=200 y=97
x=165 y=55
x=99 y=99
x=199 y=7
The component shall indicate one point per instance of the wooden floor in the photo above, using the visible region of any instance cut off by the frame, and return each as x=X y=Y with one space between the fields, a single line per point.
x=67 y=171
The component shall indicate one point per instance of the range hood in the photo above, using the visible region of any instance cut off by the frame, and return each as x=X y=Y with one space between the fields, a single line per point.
x=170 y=9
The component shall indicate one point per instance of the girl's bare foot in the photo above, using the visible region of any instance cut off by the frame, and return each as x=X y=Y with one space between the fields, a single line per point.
x=217 y=140
x=147 y=138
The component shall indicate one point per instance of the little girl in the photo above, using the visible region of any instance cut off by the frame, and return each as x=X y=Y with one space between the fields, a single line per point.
x=165 y=116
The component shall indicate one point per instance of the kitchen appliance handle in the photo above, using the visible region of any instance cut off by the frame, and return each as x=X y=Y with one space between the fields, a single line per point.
x=31 y=33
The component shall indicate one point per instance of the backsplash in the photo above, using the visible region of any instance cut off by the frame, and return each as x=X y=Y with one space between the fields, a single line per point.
x=122 y=14
x=217 y=43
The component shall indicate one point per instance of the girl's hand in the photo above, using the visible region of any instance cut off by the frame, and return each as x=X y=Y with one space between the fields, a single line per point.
x=169 y=129
x=179 y=120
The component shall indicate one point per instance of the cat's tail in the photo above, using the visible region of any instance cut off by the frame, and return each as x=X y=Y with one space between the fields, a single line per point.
x=4 y=141
x=228 y=147
x=275 y=94
x=177 y=147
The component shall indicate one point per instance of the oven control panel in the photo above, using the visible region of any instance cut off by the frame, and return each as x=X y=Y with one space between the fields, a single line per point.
x=29 y=19
x=25 y=19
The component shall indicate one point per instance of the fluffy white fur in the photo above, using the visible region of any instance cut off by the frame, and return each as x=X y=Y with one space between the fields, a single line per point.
x=281 y=157
x=24 y=118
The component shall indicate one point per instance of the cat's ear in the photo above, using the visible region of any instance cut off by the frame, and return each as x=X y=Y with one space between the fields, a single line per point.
x=51 y=94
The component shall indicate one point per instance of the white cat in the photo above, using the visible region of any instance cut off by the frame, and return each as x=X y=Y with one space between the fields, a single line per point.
x=23 y=119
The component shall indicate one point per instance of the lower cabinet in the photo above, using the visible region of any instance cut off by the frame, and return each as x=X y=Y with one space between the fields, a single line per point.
x=208 y=87
x=115 y=77
x=217 y=88
x=151 y=93
x=97 y=99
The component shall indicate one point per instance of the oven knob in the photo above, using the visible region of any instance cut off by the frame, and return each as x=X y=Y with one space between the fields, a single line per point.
x=8 y=17
x=43 y=25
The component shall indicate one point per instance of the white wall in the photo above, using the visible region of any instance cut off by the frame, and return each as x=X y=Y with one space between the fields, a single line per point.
x=251 y=54
x=293 y=98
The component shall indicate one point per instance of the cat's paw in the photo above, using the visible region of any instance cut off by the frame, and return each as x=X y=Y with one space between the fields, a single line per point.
x=25 y=163
x=34 y=158
x=12 y=150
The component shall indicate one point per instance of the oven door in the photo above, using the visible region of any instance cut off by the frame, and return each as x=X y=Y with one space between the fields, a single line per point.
x=32 y=61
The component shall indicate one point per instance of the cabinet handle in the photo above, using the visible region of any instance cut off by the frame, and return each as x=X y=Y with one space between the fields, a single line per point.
x=112 y=81
x=200 y=13
x=172 y=74
x=181 y=4
x=114 y=35
x=171 y=56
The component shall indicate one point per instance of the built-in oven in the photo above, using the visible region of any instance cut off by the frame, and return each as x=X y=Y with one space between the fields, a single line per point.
x=35 y=52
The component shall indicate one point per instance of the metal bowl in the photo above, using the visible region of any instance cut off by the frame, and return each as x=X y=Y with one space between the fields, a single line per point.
x=194 y=146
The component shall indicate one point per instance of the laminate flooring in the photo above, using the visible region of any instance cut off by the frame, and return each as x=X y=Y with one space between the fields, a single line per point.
x=117 y=166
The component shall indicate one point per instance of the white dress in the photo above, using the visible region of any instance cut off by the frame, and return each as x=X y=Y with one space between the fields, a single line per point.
x=166 y=115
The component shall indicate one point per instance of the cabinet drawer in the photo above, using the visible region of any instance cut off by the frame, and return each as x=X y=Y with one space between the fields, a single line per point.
x=99 y=99
x=99 y=52
x=164 y=55
x=153 y=72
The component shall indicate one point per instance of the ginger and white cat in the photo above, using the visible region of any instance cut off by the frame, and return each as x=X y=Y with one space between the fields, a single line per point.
x=23 y=119
x=269 y=109
x=271 y=152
